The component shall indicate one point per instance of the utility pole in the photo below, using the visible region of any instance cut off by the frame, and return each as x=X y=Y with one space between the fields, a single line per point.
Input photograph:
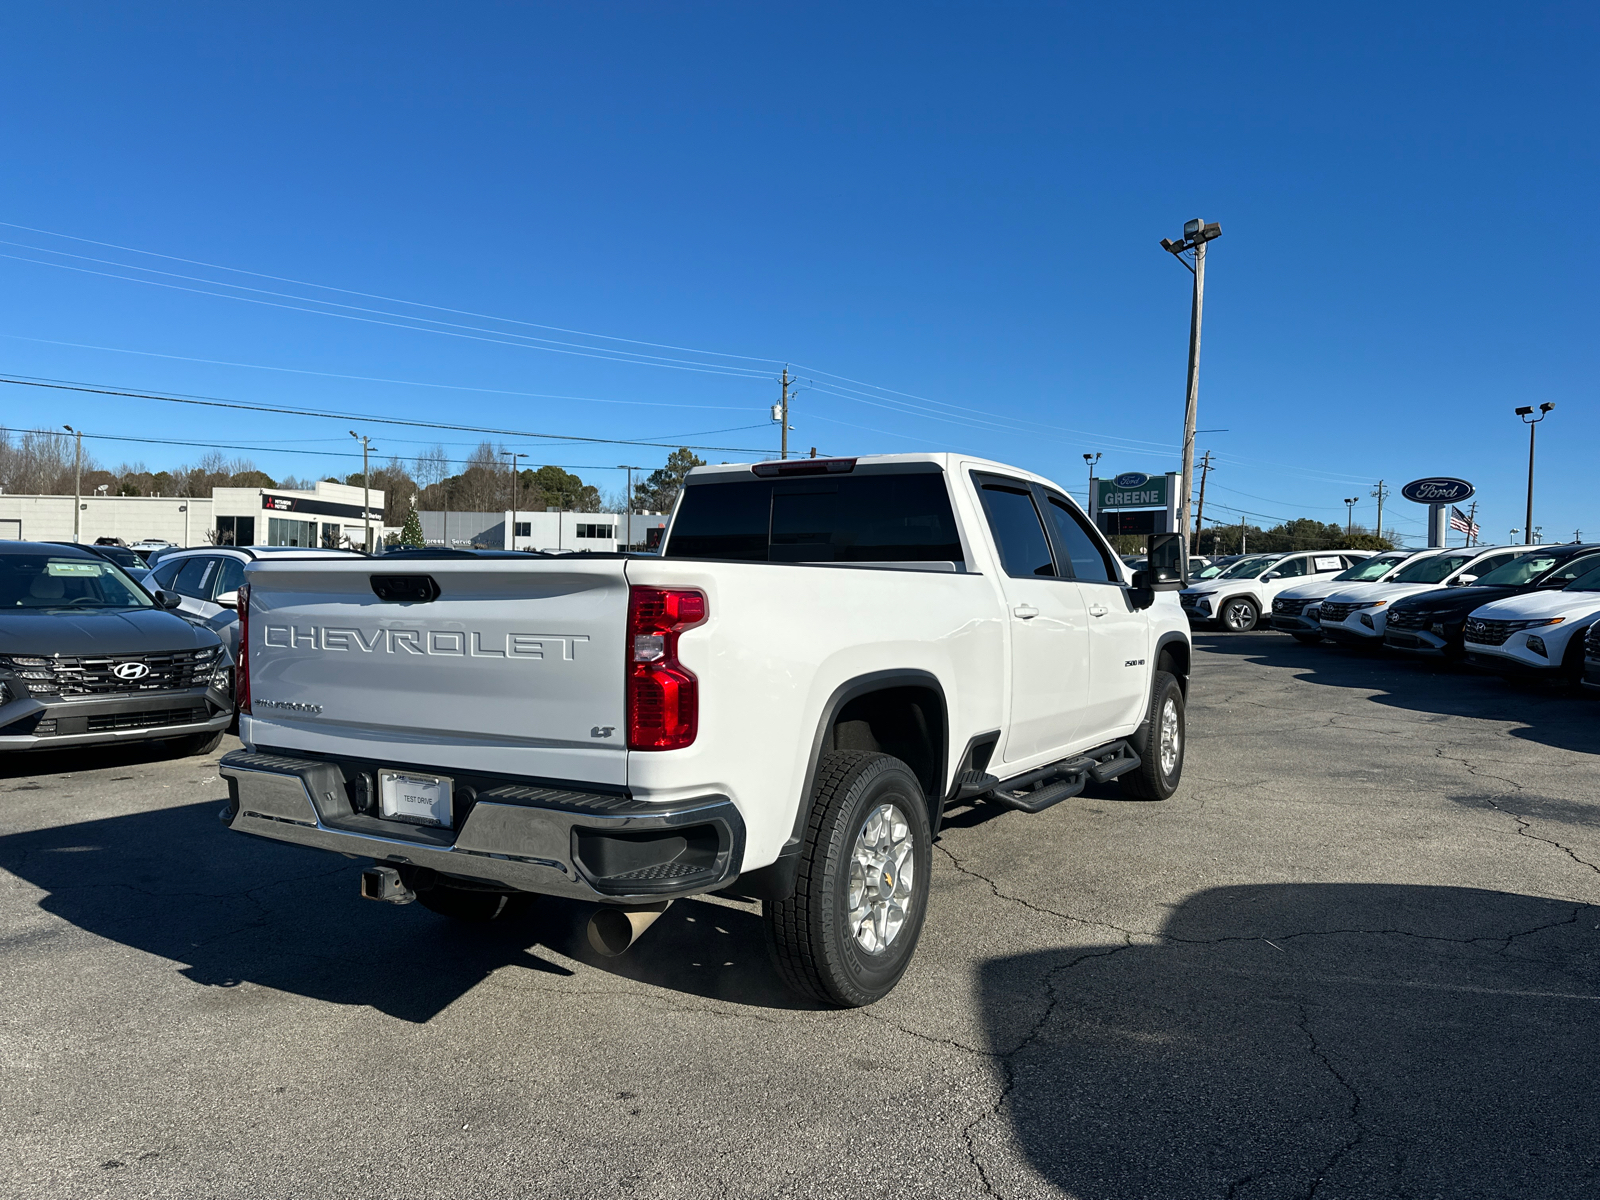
x=1472 y=512
x=77 y=482
x=1196 y=234
x=1350 y=503
x=1530 y=421
x=366 y=489
x=781 y=413
x=510 y=538
x=1200 y=516
x=1381 y=492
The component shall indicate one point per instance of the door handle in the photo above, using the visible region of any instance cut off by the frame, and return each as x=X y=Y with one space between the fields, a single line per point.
x=1026 y=611
x=1098 y=610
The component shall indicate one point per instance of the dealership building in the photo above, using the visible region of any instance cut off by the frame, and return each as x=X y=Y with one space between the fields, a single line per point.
x=331 y=514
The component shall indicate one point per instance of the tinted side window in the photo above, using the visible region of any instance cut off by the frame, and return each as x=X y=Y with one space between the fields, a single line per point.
x=230 y=574
x=1290 y=568
x=162 y=576
x=864 y=518
x=723 y=520
x=1088 y=561
x=1565 y=574
x=191 y=577
x=1014 y=521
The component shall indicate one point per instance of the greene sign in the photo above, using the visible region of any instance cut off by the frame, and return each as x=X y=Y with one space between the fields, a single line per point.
x=1131 y=490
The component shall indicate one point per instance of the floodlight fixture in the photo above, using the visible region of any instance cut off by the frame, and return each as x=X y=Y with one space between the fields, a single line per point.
x=1546 y=407
x=1525 y=411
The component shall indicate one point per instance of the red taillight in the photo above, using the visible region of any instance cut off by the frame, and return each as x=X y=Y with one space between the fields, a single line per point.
x=663 y=694
x=241 y=669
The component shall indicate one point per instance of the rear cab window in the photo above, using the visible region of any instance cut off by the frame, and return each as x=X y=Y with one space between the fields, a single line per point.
x=873 y=515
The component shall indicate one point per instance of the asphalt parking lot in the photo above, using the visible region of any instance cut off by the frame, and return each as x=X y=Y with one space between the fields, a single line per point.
x=1355 y=956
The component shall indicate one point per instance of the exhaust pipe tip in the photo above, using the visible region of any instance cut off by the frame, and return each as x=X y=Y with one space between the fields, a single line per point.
x=613 y=929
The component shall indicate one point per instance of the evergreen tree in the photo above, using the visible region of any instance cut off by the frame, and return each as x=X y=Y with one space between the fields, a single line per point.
x=411 y=536
x=660 y=492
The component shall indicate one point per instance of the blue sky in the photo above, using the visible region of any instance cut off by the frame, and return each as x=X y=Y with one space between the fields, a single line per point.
x=958 y=206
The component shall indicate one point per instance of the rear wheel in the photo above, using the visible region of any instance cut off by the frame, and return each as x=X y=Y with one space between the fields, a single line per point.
x=1239 y=615
x=1159 y=743
x=848 y=933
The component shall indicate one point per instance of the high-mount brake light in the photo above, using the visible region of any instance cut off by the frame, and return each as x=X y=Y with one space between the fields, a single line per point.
x=663 y=694
x=241 y=669
x=806 y=466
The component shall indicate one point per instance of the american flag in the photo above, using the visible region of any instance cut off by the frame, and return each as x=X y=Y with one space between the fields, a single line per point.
x=1460 y=523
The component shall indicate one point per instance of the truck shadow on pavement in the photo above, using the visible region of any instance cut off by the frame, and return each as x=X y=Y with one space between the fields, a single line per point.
x=1341 y=1040
x=1549 y=715
x=173 y=882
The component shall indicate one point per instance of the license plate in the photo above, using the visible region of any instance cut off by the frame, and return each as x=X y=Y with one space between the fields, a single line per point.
x=418 y=799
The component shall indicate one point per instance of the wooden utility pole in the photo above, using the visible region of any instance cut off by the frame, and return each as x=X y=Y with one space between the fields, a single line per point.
x=511 y=517
x=784 y=423
x=1196 y=233
x=1200 y=516
x=1381 y=492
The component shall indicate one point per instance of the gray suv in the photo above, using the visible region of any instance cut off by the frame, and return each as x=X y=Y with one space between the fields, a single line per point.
x=88 y=656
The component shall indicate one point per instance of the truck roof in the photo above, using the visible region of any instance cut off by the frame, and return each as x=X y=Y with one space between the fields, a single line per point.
x=948 y=462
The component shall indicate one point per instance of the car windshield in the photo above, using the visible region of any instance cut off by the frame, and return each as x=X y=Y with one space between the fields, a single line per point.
x=44 y=580
x=1370 y=569
x=1246 y=568
x=1518 y=571
x=1434 y=569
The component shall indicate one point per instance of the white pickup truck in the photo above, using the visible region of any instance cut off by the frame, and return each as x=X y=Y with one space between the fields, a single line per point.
x=824 y=654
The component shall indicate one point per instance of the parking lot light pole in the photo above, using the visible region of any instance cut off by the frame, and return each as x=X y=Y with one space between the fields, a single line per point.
x=1196 y=234
x=1090 y=460
x=1528 y=419
x=1350 y=503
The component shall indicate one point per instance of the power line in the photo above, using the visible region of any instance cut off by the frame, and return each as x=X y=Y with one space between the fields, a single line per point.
x=214 y=402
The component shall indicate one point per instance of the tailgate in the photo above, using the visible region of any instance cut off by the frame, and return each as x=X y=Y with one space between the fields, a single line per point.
x=516 y=667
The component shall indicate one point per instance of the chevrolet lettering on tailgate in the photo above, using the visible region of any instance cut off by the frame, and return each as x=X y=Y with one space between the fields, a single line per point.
x=449 y=643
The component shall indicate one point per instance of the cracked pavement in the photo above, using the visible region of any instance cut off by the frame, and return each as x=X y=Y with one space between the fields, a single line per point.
x=1355 y=956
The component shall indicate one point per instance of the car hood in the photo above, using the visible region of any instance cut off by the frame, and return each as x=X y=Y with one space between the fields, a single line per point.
x=124 y=631
x=1365 y=593
x=1449 y=603
x=1537 y=604
x=1314 y=589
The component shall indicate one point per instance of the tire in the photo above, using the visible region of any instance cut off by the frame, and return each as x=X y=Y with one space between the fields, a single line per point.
x=469 y=904
x=1239 y=614
x=1163 y=726
x=820 y=949
x=198 y=743
x=1307 y=639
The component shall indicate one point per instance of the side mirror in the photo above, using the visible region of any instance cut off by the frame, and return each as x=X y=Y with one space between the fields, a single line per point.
x=168 y=600
x=228 y=600
x=1157 y=579
x=1165 y=560
x=1270 y=576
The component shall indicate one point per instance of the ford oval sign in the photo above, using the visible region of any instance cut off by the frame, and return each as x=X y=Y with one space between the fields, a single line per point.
x=1438 y=490
x=1131 y=479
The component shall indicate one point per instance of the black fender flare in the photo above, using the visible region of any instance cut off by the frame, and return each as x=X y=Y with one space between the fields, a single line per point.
x=1175 y=638
x=776 y=881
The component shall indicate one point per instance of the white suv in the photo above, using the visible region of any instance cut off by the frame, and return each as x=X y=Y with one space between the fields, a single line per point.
x=1358 y=614
x=1236 y=598
x=1294 y=610
x=1538 y=633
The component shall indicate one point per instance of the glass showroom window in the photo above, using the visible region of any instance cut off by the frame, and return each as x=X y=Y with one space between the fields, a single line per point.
x=281 y=531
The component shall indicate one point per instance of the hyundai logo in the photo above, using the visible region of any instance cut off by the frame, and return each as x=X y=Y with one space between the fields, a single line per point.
x=1131 y=479
x=129 y=671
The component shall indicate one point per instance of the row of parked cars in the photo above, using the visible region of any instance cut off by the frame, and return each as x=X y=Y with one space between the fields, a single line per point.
x=95 y=649
x=1517 y=610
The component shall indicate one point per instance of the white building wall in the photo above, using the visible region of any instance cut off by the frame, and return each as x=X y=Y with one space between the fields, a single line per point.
x=183 y=521
x=561 y=531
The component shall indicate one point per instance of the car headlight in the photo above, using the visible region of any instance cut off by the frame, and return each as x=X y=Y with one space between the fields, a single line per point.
x=1368 y=604
x=1519 y=625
